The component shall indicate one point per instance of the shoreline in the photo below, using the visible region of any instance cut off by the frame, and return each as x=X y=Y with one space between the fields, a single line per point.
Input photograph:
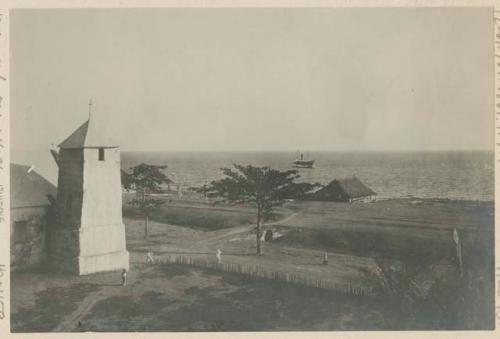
x=172 y=195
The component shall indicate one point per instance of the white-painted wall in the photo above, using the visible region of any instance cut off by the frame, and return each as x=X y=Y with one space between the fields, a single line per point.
x=102 y=192
x=93 y=227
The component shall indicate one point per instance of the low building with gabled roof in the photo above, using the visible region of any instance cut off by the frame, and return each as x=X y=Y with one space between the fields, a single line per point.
x=347 y=189
x=31 y=201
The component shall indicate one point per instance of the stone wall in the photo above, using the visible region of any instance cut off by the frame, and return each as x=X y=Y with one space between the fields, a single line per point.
x=28 y=226
x=63 y=240
x=70 y=187
x=63 y=248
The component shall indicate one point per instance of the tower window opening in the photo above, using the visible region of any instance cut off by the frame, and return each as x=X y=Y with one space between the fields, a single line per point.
x=101 y=154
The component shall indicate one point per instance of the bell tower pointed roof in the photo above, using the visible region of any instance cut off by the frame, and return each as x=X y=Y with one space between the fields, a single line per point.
x=88 y=135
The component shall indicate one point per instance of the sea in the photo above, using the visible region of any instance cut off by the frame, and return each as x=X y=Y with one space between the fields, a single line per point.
x=460 y=175
x=457 y=175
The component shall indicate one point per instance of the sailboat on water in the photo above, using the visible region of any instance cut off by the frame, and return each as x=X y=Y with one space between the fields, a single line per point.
x=302 y=162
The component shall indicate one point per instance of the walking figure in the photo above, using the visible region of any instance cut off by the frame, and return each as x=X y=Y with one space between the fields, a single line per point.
x=325 y=259
x=458 y=247
x=218 y=255
x=124 y=277
x=149 y=258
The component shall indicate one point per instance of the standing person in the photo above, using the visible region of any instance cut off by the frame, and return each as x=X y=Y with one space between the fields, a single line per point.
x=218 y=255
x=179 y=191
x=149 y=258
x=458 y=247
x=124 y=277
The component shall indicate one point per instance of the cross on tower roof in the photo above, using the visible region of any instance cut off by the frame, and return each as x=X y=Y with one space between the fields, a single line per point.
x=90 y=106
x=89 y=135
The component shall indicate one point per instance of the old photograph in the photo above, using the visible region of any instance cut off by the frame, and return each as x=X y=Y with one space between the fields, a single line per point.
x=251 y=169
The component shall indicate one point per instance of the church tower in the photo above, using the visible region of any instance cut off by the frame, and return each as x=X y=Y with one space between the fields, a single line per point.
x=89 y=235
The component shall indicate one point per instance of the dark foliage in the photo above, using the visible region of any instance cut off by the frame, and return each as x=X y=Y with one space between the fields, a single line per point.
x=262 y=187
x=145 y=179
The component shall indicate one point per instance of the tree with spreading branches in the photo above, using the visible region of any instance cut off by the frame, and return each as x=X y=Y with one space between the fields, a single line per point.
x=145 y=179
x=262 y=187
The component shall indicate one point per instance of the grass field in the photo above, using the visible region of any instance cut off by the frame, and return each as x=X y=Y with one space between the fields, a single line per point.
x=180 y=298
x=202 y=215
x=230 y=302
x=413 y=237
x=407 y=229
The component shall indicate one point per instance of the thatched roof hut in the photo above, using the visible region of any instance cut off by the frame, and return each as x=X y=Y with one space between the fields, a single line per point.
x=28 y=188
x=342 y=190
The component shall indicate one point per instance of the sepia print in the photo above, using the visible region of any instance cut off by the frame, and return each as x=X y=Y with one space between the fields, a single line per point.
x=251 y=169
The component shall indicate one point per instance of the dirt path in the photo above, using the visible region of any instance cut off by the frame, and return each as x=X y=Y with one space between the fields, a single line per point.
x=71 y=321
x=238 y=247
x=222 y=234
x=284 y=220
x=231 y=232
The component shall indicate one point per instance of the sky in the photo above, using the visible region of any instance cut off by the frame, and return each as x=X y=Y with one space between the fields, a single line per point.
x=255 y=79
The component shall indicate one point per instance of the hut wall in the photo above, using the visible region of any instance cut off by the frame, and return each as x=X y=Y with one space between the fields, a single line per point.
x=28 y=227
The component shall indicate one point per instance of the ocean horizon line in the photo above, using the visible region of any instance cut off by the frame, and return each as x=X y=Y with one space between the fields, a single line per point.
x=14 y=150
x=311 y=151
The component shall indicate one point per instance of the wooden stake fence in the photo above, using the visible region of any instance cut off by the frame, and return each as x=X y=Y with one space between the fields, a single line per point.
x=261 y=272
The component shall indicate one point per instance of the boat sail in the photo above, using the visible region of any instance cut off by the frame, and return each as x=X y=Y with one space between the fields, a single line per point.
x=302 y=162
